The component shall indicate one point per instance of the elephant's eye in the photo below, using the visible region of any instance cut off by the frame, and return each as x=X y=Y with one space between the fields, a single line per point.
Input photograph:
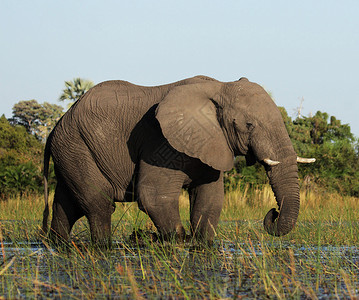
x=243 y=127
x=250 y=126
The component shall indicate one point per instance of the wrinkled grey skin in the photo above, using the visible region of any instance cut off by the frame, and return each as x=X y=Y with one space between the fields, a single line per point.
x=123 y=142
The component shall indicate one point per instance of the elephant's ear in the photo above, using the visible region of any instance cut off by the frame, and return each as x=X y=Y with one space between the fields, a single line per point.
x=188 y=119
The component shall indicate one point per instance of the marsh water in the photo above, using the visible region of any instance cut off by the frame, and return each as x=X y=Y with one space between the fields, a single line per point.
x=251 y=268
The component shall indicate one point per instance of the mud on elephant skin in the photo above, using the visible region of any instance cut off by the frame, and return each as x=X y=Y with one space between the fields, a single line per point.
x=124 y=142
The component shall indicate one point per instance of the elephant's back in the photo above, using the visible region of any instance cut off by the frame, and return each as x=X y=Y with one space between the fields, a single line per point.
x=101 y=122
x=116 y=100
x=112 y=109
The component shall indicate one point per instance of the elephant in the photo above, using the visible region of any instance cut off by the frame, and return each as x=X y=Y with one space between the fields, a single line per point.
x=122 y=142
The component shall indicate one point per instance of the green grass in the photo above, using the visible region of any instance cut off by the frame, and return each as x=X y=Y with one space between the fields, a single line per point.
x=319 y=258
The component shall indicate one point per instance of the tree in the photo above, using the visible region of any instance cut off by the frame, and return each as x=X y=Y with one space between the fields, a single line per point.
x=334 y=147
x=75 y=89
x=49 y=115
x=38 y=119
x=26 y=113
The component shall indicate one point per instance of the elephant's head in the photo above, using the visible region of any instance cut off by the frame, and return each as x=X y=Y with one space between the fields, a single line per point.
x=216 y=121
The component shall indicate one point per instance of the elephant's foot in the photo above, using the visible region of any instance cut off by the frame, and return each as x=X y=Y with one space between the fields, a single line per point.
x=178 y=235
x=100 y=227
x=141 y=237
x=56 y=241
x=200 y=244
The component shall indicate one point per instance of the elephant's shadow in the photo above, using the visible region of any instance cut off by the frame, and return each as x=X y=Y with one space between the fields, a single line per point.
x=147 y=143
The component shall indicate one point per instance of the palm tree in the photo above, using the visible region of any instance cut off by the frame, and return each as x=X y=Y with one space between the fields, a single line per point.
x=75 y=89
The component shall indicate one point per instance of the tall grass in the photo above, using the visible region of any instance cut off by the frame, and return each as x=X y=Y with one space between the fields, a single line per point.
x=318 y=259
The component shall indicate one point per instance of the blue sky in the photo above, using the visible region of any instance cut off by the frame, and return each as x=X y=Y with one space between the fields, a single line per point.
x=295 y=49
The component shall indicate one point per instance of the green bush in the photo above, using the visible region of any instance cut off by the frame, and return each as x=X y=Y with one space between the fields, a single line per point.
x=242 y=176
x=18 y=179
x=20 y=160
x=334 y=147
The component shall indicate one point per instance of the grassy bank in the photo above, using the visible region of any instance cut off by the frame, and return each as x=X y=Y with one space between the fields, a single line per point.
x=319 y=258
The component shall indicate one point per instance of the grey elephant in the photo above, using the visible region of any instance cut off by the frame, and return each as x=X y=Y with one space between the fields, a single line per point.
x=123 y=142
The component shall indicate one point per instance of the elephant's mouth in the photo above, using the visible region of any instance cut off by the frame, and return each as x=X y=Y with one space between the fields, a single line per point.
x=250 y=157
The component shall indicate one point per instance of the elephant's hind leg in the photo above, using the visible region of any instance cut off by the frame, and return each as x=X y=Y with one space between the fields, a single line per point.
x=100 y=226
x=65 y=214
x=96 y=201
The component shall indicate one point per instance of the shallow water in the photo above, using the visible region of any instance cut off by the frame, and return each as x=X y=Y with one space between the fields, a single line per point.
x=61 y=275
x=240 y=267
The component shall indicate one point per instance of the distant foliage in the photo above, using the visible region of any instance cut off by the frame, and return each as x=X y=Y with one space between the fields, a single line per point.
x=20 y=160
x=241 y=176
x=334 y=147
x=21 y=178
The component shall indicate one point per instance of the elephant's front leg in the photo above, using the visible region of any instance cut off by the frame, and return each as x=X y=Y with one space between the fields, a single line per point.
x=159 y=190
x=206 y=204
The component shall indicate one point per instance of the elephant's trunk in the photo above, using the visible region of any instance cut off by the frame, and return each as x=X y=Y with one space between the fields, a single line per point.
x=284 y=182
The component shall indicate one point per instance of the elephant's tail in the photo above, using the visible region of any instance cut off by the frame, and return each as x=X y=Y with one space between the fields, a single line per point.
x=47 y=154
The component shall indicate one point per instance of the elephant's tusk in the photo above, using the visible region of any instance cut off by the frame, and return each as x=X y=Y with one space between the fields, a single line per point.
x=305 y=160
x=270 y=162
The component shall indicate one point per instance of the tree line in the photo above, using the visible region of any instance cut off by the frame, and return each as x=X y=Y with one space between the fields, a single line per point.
x=321 y=136
x=22 y=139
